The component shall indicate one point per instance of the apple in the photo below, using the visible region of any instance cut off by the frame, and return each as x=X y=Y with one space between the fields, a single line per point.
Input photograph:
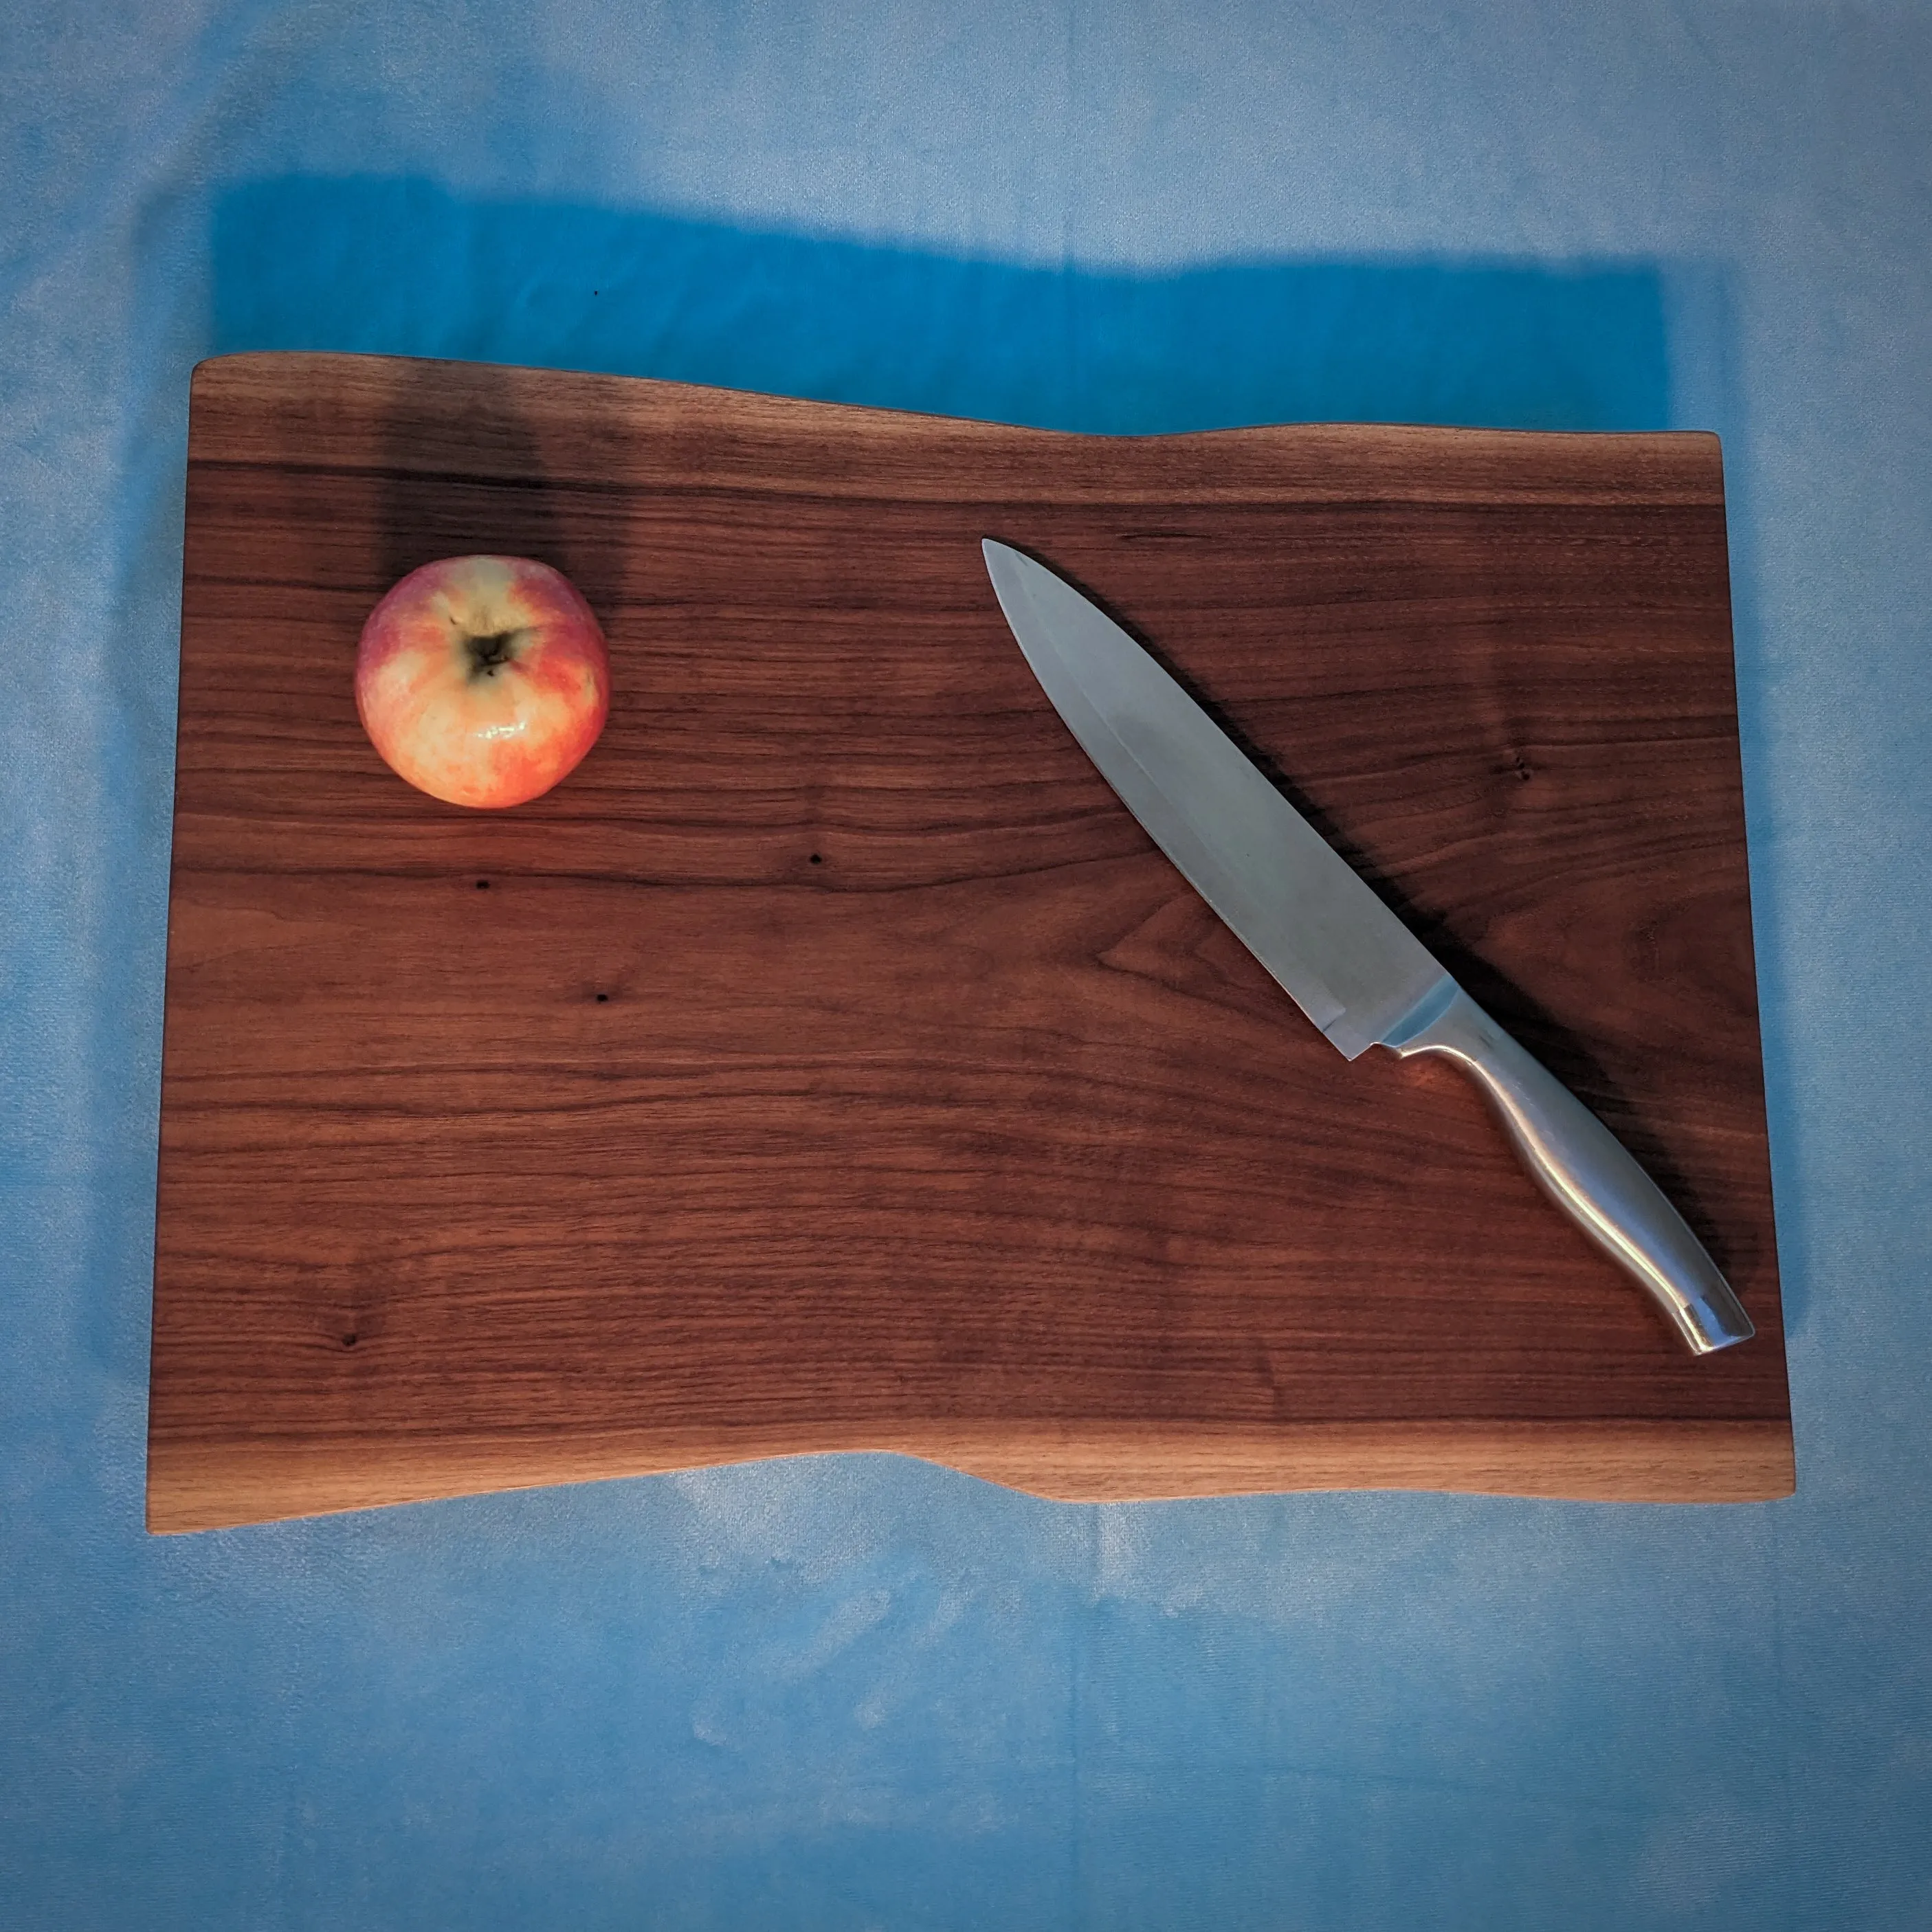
x=483 y=680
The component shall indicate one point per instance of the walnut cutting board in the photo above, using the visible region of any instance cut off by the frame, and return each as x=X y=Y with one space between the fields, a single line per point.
x=832 y=1062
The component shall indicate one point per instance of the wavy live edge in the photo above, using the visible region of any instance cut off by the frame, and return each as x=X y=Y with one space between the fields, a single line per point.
x=226 y=1485
x=832 y=1056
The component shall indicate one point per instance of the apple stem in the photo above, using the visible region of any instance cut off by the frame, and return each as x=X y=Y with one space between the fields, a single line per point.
x=487 y=653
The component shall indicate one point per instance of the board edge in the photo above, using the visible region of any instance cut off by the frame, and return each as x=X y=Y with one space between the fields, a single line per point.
x=193 y=1487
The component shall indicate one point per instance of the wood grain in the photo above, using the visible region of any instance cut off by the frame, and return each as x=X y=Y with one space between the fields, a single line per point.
x=832 y=1063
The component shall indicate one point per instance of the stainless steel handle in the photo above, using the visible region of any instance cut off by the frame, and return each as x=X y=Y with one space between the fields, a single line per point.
x=1583 y=1167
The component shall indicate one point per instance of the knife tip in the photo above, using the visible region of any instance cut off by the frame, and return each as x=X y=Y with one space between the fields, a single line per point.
x=1007 y=567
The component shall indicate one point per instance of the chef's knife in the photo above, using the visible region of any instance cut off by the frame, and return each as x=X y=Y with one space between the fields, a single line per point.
x=1350 y=964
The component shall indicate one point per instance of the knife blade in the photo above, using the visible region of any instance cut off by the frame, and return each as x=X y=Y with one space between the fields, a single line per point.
x=1338 y=952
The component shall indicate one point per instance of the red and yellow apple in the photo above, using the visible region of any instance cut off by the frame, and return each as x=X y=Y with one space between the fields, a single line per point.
x=483 y=680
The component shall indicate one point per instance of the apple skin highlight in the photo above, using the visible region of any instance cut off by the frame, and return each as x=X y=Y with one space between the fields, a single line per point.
x=483 y=680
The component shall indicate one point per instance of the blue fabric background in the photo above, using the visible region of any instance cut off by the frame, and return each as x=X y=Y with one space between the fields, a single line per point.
x=860 y=1692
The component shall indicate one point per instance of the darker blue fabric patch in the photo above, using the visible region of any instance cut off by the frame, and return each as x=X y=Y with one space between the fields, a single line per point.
x=402 y=267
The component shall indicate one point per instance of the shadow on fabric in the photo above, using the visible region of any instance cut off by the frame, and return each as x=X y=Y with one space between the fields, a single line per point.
x=402 y=267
